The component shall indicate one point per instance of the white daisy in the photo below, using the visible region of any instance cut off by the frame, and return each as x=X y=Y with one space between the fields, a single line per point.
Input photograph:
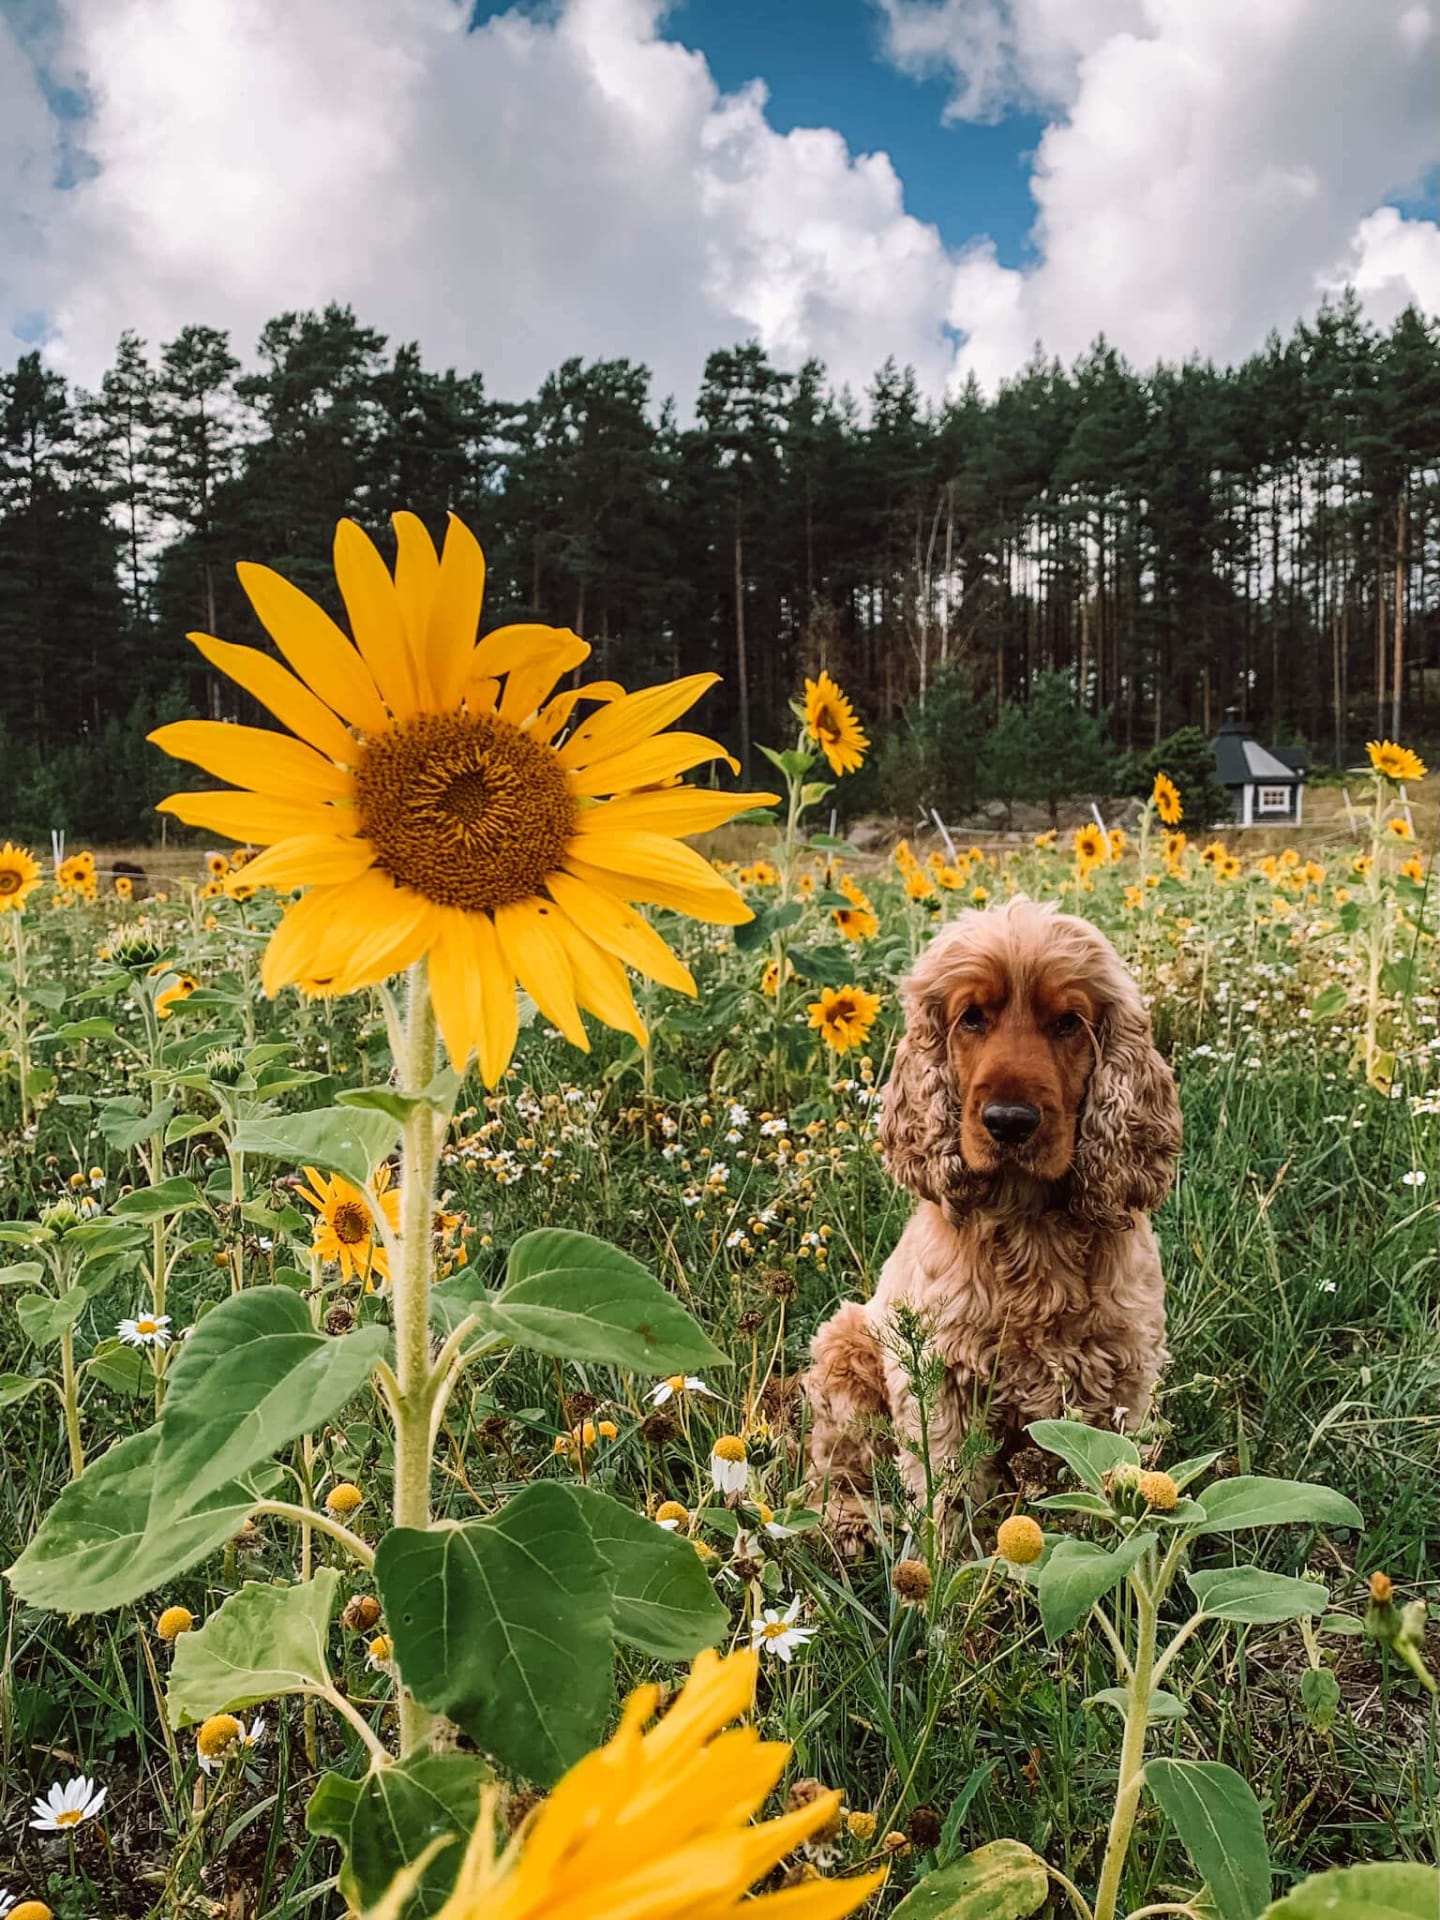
x=146 y=1330
x=65 y=1807
x=776 y=1529
x=679 y=1383
x=776 y=1632
x=1416 y=1178
x=249 y=1739
x=729 y=1464
x=7 y=1901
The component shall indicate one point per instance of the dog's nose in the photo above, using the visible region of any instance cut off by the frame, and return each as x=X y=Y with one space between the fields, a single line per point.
x=1011 y=1122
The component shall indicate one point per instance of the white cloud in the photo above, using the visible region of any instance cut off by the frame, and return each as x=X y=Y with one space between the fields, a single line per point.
x=29 y=160
x=1211 y=169
x=511 y=196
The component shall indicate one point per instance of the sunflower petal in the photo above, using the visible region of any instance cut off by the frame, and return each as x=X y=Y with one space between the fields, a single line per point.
x=659 y=758
x=260 y=817
x=534 y=947
x=255 y=757
x=625 y=723
x=455 y=987
x=527 y=684
x=310 y=860
x=417 y=573
x=652 y=856
x=553 y=715
x=277 y=689
x=314 y=646
x=619 y=930
x=507 y=648
x=499 y=1007
x=724 y=908
x=454 y=615
x=376 y=620
x=601 y=987
x=296 y=949
x=675 y=810
x=402 y=925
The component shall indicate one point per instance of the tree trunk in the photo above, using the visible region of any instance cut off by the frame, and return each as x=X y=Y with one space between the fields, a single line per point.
x=1397 y=660
x=742 y=664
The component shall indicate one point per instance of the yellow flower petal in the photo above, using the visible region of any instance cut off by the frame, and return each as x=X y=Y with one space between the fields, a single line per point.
x=500 y=1010
x=510 y=648
x=601 y=987
x=659 y=758
x=620 y=930
x=402 y=925
x=376 y=620
x=676 y=810
x=417 y=573
x=555 y=713
x=534 y=948
x=454 y=615
x=310 y=860
x=251 y=816
x=527 y=684
x=456 y=987
x=277 y=689
x=314 y=646
x=650 y=856
x=625 y=723
x=255 y=757
x=720 y=906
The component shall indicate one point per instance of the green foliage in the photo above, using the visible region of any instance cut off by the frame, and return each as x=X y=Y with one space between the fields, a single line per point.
x=387 y=1819
x=1383 y=1890
x=1049 y=747
x=1218 y=1818
x=935 y=756
x=1186 y=756
x=263 y=1642
x=1001 y=1881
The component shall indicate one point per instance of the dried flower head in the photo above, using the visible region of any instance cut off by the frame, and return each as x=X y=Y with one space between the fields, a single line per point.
x=911 y=1581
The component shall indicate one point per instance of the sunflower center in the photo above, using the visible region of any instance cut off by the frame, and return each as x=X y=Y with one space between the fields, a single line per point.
x=464 y=809
x=351 y=1223
x=9 y=880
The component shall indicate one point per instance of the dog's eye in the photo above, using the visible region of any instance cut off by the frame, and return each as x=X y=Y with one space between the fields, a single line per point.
x=1065 y=1024
x=973 y=1019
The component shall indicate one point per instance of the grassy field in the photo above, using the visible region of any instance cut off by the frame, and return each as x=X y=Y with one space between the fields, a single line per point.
x=736 y=1160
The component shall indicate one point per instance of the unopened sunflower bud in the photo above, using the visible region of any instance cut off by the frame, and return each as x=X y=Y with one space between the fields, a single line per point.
x=1020 y=1540
x=1125 y=1478
x=911 y=1581
x=1158 y=1490
x=361 y=1613
x=173 y=1622
x=860 y=1826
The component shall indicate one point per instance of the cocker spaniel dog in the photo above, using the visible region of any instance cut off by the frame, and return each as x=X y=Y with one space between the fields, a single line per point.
x=1031 y=1114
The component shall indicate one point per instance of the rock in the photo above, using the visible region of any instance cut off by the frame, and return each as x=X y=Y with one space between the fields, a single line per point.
x=870 y=836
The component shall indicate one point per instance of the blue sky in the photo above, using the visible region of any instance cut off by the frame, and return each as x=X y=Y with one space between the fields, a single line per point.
x=823 y=64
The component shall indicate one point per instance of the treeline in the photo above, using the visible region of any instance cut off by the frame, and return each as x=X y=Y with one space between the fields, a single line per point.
x=1174 y=542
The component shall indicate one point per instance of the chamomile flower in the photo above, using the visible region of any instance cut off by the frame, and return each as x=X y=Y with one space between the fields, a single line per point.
x=777 y=1633
x=146 y=1330
x=729 y=1464
x=68 y=1806
x=678 y=1383
x=222 y=1737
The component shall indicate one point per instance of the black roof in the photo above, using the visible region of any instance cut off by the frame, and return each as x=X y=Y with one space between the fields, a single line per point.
x=1239 y=760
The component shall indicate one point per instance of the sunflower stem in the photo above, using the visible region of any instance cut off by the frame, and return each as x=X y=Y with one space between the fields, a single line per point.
x=415 y=1373
x=22 y=1035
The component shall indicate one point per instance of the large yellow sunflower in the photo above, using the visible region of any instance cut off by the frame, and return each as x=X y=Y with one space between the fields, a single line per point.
x=830 y=722
x=1395 y=762
x=345 y=1231
x=19 y=877
x=1166 y=798
x=655 y=1825
x=843 y=1016
x=439 y=801
x=1092 y=846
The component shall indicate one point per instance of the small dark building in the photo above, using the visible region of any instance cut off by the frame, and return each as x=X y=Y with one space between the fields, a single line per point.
x=1266 y=787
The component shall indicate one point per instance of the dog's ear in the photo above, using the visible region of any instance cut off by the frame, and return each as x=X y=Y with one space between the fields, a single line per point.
x=920 y=1119
x=1129 y=1133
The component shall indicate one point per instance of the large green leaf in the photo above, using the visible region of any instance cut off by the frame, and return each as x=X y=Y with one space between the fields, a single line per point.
x=19 y=1386
x=264 y=1641
x=1001 y=1881
x=506 y=1625
x=347 y=1140
x=96 y=1548
x=1248 y=1595
x=126 y=1127
x=387 y=1820
x=1218 y=1818
x=663 y=1601
x=578 y=1298
x=252 y=1376
x=1385 y=1890
x=1231 y=1506
x=1090 y=1452
x=1076 y=1575
x=44 y=1317
x=150 y=1203
x=122 y=1368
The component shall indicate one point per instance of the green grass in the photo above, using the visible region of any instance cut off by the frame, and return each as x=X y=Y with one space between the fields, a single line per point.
x=1303 y=1285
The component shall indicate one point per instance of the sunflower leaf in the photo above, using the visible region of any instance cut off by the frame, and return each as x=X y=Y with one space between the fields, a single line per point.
x=253 y=1376
x=264 y=1641
x=387 y=1820
x=98 y=1548
x=346 y=1140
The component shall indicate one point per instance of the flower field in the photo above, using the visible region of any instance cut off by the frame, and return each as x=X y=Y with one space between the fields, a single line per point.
x=413 y=1232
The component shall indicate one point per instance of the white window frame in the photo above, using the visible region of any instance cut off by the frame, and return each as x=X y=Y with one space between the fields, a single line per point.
x=1272 y=799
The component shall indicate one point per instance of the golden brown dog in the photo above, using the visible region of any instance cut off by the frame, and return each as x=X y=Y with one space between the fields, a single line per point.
x=1030 y=1112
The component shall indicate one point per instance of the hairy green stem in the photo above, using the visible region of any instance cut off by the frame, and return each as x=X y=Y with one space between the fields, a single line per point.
x=70 y=1394
x=22 y=1032
x=1132 y=1754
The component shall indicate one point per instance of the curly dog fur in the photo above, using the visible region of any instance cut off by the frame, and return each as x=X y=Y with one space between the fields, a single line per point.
x=1031 y=1261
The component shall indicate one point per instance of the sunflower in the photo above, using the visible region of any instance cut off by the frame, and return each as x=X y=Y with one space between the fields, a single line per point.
x=19 y=877
x=345 y=1231
x=843 y=1016
x=217 y=865
x=1175 y=845
x=439 y=803
x=124 y=886
x=1092 y=845
x=917 y=886
x=830 y=722
x=1401 y=828
x=179 y=989
x=858 y=921
x=1394 y=762
x=1413 y=869
x=655 y=1822
x=1165 y=797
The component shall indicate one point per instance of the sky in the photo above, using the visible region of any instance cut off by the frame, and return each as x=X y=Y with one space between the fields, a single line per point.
x=942 y=181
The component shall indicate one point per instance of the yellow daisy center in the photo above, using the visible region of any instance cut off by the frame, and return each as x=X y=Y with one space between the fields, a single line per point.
x=147 y=1326
x=350 y=1223
x=776 y=1629
x=464 y=809
x=71 y=1817
x=730 y=1447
